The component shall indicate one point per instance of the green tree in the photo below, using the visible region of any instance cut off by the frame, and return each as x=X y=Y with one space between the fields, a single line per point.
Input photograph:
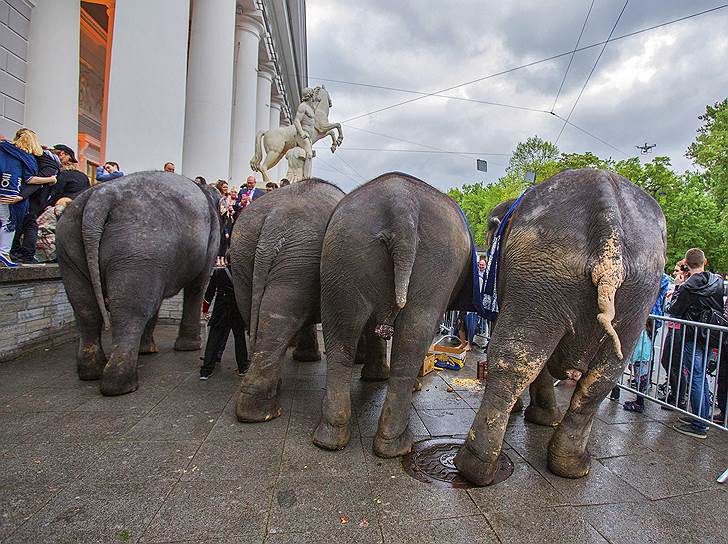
x=532 y=155
x=710 y=150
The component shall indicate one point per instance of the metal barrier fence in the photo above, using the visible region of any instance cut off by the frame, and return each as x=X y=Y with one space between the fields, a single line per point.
x=449 y=327
x=686 y=371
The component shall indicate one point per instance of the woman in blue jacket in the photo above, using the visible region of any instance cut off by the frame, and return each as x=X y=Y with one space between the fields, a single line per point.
x=17 y=166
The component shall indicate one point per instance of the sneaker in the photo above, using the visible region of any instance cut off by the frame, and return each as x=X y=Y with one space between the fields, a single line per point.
x=718 y=418
x=6 y=261
x=686 y=419
x=634 y=406
x=205 y=374
x=690 y=430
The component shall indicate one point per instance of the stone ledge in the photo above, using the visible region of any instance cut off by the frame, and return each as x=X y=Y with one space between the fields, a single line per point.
x=28 y=273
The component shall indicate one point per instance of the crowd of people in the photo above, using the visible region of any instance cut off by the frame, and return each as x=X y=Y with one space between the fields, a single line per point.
x=37 y=184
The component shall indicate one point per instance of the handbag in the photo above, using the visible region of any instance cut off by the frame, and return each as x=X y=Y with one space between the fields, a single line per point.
x=711 y=316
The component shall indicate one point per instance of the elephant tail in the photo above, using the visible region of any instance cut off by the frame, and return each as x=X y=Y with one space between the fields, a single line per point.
x=95 y=215
x=265 y=254
x=258 y=156
x=607 y=275
x=401 y=242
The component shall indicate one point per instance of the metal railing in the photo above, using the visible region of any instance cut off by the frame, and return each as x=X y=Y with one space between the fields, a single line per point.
x=688 y=366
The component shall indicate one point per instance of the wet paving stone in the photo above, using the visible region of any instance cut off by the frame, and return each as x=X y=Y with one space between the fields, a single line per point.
x=170 y=463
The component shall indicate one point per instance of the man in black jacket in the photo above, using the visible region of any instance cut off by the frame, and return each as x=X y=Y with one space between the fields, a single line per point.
x=70 y=181
x=225 y=316
x=696 y=292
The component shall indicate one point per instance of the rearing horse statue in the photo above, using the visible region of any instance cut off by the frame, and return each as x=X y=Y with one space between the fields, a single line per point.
x=310 y=124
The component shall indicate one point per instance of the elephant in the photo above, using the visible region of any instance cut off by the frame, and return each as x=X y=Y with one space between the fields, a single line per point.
x=395 y=251
x=275 y=257
x=580 y=265
x=125 y=246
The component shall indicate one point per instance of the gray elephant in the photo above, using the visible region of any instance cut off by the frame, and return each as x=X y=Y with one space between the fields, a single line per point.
x=395 y=252
x=275 y=256
x=579 y=270
x=125 y=246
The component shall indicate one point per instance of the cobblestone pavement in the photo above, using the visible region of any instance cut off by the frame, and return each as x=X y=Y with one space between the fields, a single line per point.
x=170 y=463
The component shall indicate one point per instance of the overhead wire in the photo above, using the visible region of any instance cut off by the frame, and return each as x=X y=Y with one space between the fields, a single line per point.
x=571 y=59
x=568 y=117
x=533 y=63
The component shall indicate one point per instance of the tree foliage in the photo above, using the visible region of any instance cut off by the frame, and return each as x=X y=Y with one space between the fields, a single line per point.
x=694 y=203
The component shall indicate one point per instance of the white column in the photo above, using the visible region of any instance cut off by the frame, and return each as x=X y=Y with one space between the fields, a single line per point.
x=276 y=103
x=209 y=90
x=266 y=71
x=248 y=29
x=147 y=83
x=51 y=92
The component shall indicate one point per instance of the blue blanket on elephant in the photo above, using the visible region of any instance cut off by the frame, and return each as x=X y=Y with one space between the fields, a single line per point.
x=470 y=299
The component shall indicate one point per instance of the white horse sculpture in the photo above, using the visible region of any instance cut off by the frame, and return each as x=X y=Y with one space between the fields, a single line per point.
x=278 y=141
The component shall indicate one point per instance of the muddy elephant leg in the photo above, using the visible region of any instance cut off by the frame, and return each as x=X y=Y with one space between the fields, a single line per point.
x=147 y=344
x=90 y=360
x=307 y=347
x=258 y=398
x=188 y=337
x=412 y=338
x=543 y=410
x=515 y=358
x=120 y=373
x=567 y=454
x=372 y=353
x=334 y=430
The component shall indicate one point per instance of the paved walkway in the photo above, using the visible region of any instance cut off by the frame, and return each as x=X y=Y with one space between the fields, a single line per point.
x=170 y=463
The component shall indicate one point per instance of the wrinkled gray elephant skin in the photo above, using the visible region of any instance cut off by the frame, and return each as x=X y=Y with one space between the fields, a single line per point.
x=275 y=256
x=395 y=251
x=123 y=247
x=581 y=261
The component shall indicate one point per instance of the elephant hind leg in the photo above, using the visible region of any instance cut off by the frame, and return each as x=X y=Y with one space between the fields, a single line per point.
x=543 y=409
x=147 y=344
x=567 y=455
x=90 y=359
x=307 y=347
x=188 y=337
x=372 y=353
x=515 y=358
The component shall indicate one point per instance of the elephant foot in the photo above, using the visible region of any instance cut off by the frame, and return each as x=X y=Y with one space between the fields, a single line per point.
x=148 y=348
x=91 y=363
x=306 y=356
x=548 y=417
x=475 y=469
x=251 y=408
x=118 y=383
x=378 y=373
x=518 y=406
x=187 y=344
x=332 y=437
x=392 y=447
x=569 y=466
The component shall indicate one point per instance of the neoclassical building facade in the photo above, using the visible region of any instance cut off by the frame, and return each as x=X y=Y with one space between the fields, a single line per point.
x=143 y=82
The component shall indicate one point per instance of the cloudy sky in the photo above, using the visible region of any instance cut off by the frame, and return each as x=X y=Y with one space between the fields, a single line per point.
x=647 y=88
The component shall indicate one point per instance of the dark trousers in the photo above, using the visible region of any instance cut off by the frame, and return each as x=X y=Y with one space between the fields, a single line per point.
x=25 y=238
x=217 y=338
x=721 y=395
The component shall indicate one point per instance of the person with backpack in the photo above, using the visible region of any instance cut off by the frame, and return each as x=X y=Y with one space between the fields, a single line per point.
x=697 y=294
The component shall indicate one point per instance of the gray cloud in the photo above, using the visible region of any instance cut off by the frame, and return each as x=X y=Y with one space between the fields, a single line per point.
x=649 y=87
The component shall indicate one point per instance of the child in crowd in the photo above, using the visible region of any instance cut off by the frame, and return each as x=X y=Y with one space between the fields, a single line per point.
x=46 y=243
x=640 y=364
x=225 y=316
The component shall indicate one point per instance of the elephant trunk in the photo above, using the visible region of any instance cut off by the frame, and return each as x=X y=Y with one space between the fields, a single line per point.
x=95 y=215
